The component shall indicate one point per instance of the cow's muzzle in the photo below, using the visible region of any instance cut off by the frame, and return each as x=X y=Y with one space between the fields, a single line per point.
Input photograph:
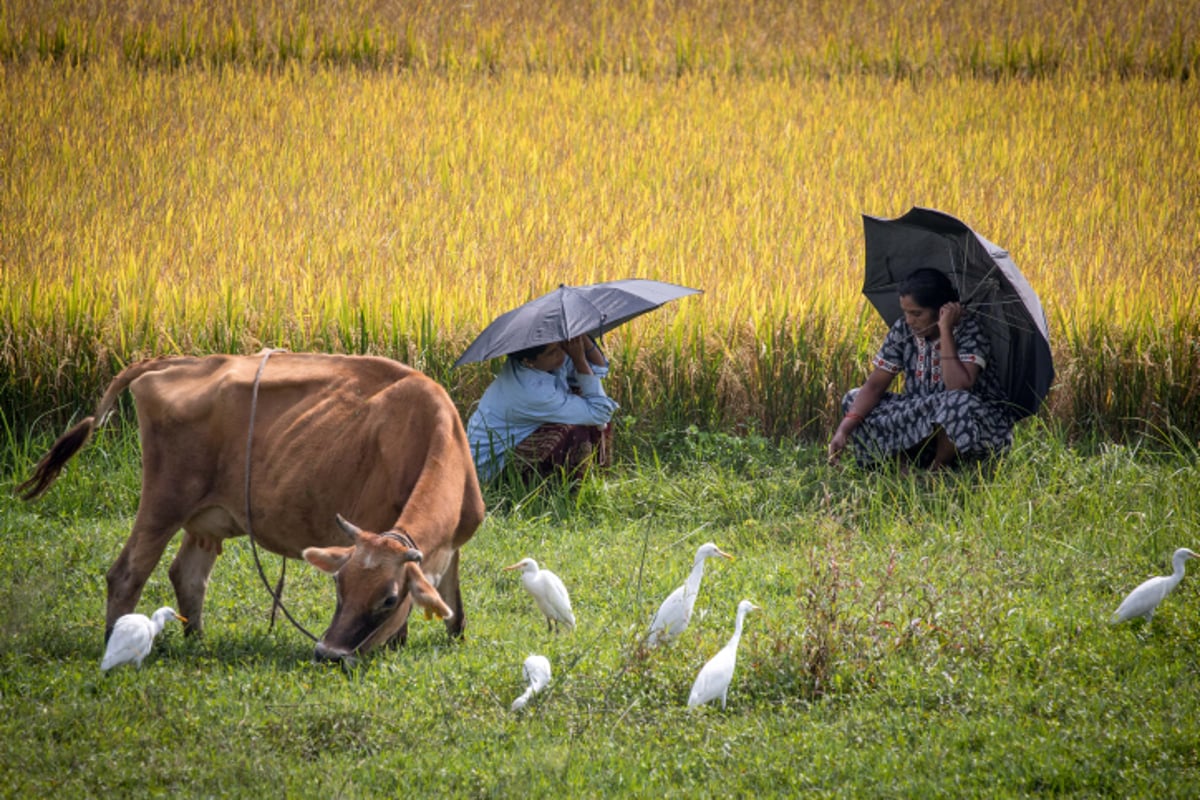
x=324 y=654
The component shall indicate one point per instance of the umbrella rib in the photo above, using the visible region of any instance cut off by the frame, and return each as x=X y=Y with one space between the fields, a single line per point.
x=960 y=269
x=993 y=268
x=1017 y=325
x=1020 y=322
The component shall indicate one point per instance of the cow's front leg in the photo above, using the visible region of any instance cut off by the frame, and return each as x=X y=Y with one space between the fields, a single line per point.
x=129 y=573
x=451 y=594
x=400 y=637
x=189 y=575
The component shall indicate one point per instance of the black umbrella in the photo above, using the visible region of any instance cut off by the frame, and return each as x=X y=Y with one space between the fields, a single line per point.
x=569 y=311
x=989 y=285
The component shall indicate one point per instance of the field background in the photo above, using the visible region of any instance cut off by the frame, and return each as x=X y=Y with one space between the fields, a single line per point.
x=384 y=177
x=387 y=177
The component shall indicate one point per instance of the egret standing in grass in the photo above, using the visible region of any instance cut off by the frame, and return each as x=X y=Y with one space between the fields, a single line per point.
x=537 y=674
x=133 y=635
x=1143 y=600
x=713 y=680
x=548 y=592
x=676 y=611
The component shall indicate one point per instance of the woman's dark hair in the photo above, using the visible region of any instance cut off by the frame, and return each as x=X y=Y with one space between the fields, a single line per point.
x=529 y=353
x=928 y=287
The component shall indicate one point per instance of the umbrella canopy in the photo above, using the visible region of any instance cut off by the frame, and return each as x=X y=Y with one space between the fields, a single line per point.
x=989 y=285
x=570 y=311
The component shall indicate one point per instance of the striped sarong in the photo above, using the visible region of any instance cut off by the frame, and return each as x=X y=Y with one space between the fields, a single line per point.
x=556 y=447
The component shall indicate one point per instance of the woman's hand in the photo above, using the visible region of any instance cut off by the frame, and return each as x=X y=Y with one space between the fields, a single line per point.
x=955 y=374
x=576 y=348
x=836 y=445
x=868 y=396
x=948 y=316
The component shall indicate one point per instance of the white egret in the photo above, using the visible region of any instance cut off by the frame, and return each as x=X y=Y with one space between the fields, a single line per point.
x=133 y=635
x=1142 y=601
x=537 y=674
x=548 y=592
x=713 y=680
x=675 y=612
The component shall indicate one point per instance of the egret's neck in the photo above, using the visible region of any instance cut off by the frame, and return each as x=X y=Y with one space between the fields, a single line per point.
x=737 y=625
x=1180 y=566
x=693 y=579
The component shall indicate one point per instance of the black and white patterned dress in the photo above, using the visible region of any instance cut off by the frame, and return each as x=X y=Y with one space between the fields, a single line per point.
x=977 y=420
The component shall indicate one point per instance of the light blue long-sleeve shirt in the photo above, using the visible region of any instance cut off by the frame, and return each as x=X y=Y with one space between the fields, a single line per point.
x=521 y=398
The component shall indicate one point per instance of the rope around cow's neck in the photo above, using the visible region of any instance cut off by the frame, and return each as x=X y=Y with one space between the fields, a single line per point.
x=277 y=592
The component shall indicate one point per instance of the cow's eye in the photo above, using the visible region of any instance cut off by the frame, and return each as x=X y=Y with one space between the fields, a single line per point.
x=389 y=602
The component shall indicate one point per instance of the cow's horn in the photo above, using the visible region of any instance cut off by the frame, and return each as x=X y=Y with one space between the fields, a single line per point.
x=349 y=528
x=413 y=554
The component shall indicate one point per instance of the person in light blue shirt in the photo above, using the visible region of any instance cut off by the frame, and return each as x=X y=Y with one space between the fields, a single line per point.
x=546 y=410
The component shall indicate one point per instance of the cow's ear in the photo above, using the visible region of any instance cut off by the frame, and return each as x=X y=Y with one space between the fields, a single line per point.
x=424 y=593
x=328 y=559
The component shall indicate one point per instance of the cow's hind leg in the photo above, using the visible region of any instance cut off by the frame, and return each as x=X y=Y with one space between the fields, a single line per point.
x=129 y=573
x=189 y=575
x=449 y=589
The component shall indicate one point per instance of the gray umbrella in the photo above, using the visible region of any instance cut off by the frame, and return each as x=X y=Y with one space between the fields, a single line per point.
x=569 y=311
x=989 y=285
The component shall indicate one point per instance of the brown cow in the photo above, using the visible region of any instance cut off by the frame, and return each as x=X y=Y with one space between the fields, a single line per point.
x=366 y=438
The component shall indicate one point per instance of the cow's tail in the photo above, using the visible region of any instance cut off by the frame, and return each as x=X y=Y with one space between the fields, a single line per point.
x=74 y=439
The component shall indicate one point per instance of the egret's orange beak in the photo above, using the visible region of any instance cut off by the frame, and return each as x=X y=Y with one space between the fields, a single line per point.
x=723 y=554
x=513 y=566
x=181 y=617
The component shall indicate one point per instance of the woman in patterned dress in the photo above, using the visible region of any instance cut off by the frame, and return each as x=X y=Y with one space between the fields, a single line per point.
x=545 y=411
x=951 y=406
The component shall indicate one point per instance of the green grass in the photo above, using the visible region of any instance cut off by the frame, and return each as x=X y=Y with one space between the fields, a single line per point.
x=919 y=637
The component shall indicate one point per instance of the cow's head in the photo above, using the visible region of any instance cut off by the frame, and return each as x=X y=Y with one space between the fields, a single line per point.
x=376 y=578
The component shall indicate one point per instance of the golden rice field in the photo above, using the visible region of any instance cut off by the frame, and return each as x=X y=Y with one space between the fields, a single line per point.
x=253 y=195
